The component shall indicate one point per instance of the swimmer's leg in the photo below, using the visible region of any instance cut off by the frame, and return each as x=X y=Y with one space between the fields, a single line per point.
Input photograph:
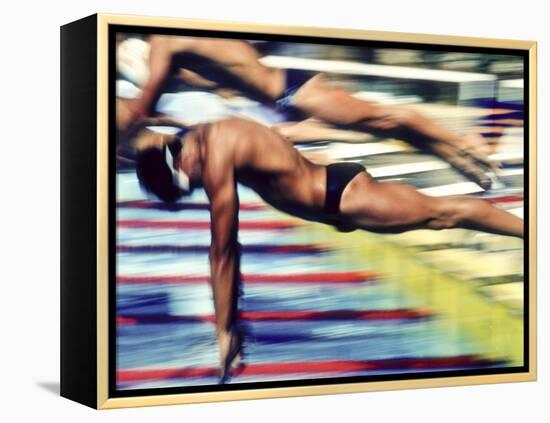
x=337 y=106
x=394 y=207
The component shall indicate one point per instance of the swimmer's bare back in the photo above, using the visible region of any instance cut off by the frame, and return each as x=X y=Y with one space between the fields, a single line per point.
x=237 y=57
x=265 y=161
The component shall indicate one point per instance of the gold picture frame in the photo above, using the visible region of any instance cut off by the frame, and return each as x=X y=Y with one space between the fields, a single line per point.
x=87 y=325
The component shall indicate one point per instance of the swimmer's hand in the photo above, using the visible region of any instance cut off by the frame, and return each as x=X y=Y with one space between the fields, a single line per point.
x=128 y=111
x=230 y=345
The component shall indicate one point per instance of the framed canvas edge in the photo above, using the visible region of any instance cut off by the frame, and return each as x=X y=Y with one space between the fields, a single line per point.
x=312 y=31
x=103 y=22
x=346 y=388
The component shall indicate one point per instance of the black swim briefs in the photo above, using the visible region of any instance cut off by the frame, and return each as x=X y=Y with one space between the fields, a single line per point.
x=338 y=177
x=295 y=78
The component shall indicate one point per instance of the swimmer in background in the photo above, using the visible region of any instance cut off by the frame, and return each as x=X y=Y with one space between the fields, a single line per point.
x=213 y=63
x=217 y=155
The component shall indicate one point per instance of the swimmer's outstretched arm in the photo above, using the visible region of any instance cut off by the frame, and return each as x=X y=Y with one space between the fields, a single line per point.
x=313 y=130
x=162 y=47
x=127 y=135
x=224 y=255
x=160 y=57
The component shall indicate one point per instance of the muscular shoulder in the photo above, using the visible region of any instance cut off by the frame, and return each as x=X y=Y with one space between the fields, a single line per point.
x=218 y=145
x=226 y=132
x=229 y=141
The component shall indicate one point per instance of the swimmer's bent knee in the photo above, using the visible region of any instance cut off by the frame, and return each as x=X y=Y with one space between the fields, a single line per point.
x=450 y=213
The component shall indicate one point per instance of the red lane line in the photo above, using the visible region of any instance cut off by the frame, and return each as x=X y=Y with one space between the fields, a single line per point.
x=303 y=315
x=198 y=224
x=252 y=249
x=180 y=206
x=308 y=367
x=315 y=278
x=122 y=320
x=505 y=199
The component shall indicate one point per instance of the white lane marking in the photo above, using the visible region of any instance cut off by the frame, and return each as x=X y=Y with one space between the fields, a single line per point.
x=408 y=168
x=354 y=68
x=452 y=189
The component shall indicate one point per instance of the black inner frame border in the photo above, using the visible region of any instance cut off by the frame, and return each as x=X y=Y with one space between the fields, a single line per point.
x=113 y=392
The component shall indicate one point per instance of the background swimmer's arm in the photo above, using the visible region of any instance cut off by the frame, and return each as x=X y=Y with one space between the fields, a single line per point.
x=160 y=58
x=196 y=80
x=123 y=113
x=312 y=130
x=221 y=189
x=125 y=121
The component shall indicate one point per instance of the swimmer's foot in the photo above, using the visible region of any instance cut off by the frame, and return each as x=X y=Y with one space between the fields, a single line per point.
x=478 y=149
x=474 y=167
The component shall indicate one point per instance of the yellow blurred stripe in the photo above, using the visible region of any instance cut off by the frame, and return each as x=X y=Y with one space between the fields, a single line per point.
x=463 y=309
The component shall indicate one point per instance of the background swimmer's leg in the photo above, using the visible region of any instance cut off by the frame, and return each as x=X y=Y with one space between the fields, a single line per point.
x=338 y=107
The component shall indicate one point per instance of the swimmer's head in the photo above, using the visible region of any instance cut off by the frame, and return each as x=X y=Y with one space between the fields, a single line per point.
x=159 y=172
